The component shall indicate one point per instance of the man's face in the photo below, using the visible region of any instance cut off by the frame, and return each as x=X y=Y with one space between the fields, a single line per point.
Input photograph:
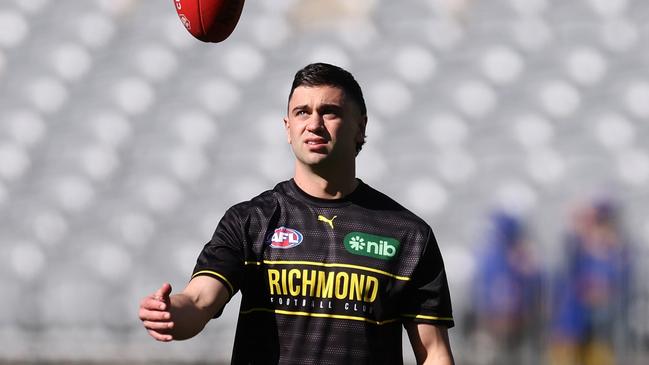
x=323 y=126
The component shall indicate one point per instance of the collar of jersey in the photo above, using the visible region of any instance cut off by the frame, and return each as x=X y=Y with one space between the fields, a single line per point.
x=346 y=200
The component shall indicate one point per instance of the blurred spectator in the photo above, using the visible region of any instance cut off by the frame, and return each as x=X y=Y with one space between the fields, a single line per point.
x=507 y=296
x=593 y=289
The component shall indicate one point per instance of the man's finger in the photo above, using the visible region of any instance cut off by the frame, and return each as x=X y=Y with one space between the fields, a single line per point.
x=160 y=336
x=163 y=292
x=152 y=303
x=153 y=315
x=158 y=326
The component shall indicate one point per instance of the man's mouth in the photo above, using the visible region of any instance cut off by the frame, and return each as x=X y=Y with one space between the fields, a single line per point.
x=316 y=141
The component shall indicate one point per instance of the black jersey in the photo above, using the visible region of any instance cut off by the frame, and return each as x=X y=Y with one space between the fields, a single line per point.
x=326 y=281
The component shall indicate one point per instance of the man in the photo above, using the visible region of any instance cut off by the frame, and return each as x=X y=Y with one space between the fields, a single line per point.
x=329 y=268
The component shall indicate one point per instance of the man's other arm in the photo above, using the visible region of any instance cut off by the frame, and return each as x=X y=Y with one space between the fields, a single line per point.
x=430 y=343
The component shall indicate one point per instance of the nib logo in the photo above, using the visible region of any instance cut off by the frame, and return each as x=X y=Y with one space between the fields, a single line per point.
x=378 y=247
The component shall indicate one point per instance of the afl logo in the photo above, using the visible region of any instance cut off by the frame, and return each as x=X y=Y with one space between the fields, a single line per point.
x=284 y=237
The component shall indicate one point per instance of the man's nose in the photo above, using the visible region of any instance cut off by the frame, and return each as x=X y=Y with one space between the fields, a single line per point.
x=316 y=122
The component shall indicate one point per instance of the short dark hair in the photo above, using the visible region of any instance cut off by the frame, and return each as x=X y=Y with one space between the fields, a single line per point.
x=324 y=74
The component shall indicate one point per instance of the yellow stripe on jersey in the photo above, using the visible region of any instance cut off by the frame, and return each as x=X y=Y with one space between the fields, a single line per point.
x=319 y=315
x=314 y=263
x=432 y=318
x=214 y=273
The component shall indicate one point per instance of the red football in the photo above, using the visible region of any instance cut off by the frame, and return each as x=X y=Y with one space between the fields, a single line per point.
x=209 y=20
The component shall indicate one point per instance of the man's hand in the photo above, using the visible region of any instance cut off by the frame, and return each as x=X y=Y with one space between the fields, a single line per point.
x=155 y=314
x=181 y=316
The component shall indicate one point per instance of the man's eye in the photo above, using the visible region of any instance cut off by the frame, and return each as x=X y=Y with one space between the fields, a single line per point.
x=331 y=115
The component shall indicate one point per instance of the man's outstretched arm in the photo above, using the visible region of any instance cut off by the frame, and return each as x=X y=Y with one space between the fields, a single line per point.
x=430 y=343
x=181 y=316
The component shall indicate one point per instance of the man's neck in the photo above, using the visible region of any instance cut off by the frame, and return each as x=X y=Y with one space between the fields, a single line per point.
x=326 y=186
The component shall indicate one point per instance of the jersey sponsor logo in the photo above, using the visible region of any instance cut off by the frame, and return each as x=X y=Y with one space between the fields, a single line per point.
x=284 y=237
x=365 y=244
x=330 y=222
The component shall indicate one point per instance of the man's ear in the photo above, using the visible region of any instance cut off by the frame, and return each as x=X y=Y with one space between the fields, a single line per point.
x=362 y=124
x=287 y=126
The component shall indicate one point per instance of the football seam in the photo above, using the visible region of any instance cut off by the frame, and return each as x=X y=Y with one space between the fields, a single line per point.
x=200 y=18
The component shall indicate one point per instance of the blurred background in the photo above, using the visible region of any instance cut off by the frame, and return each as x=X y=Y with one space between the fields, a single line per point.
x=513 y=127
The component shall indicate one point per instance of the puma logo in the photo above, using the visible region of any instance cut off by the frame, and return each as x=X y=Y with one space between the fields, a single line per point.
x=330 y=222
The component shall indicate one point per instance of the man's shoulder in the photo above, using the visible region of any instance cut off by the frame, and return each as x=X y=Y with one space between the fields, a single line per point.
x=264 y=199
x=374 y=199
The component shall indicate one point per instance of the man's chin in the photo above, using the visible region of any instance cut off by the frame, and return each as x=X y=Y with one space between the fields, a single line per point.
x=315 y=159
x=315 y=162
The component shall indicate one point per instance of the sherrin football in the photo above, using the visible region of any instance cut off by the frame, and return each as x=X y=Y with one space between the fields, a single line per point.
x=209 y=20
